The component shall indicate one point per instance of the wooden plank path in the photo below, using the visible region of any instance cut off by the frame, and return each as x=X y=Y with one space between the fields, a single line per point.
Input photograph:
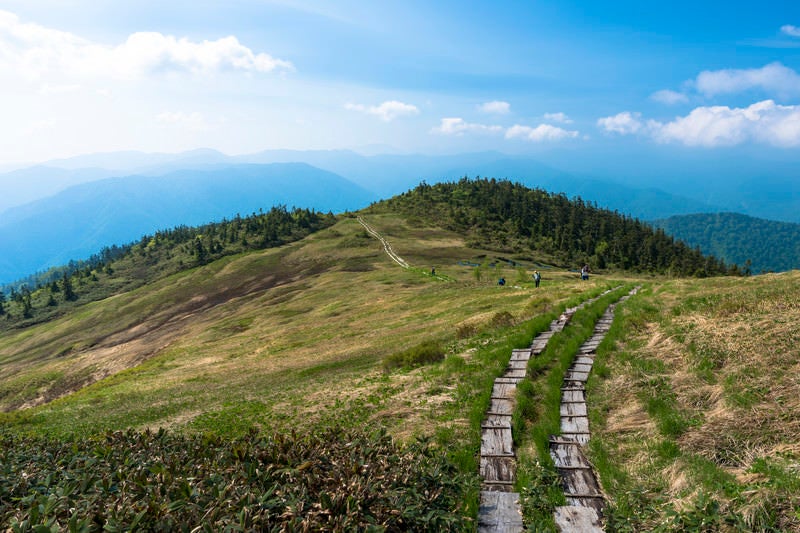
x=499 y=508
x=585 y=501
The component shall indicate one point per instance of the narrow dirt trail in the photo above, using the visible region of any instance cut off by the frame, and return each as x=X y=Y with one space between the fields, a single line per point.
x=585 y=501
x=386 y=246
x=499 y=508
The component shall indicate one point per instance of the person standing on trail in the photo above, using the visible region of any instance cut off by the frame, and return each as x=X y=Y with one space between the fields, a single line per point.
x=585 y=272
x=537 y=278
x=433 y=271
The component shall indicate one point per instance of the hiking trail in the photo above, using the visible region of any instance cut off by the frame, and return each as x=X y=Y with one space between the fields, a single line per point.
x=499 y=510
x=585 y=501
x=386 y=246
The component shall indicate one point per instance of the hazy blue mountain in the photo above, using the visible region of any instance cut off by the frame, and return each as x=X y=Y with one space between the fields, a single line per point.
x=28 y=184
x=735 y=238
x=82 y=219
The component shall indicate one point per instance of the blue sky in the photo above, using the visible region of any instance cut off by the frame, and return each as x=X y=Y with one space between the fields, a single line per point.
x=557 y=79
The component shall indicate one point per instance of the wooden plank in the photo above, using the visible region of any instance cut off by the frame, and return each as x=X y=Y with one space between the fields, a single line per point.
x=515 y=373
x=501 y=406
x=579 y=482
x=581 y=368
x=497 y=421
x=583 y=360
x=565 y=456
x=518 y=365
x=573 y=395
x=574 y=424
x=573 y=409
x=494 y=469
x=496 y=442
x=503 y=390
x=576 y=376
x=499 y=512
x=520 y=355
x=577 y=520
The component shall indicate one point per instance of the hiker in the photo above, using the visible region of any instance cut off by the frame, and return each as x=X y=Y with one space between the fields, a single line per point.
x=501 y=281
x=585 y=272
x=433 y=271
x=537 y=278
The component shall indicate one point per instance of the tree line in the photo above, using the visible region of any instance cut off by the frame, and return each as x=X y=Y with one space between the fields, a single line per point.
x=509 y=217
x=121 y=268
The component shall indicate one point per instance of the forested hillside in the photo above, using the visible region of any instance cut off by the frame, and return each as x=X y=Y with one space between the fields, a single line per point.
x=122 y=268
x=752 y=243
x=511 y=218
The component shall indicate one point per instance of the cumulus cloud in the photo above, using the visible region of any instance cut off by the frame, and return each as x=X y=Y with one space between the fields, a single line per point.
x=666 y=96
x=458 y=126
x=624 y=123
x=36 y=51
x=387 y=111
x=713 y=126
x=788 y=29
x=774 y=78
x=559 y=117
x=764 y=122
x=497 y=107
x=542 y=132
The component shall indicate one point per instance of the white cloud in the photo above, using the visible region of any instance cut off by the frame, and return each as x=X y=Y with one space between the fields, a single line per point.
x=788 y=29
x=774 y=78
x=48 y=88
x=35 y=52
x=666 y=96
x=387 y=111
x=624 y=123
x=542 y=132
x=764 y=122
x=193 y=121
x=458 y=126
x=497 y=107
x=559 y=117
x=712 y=126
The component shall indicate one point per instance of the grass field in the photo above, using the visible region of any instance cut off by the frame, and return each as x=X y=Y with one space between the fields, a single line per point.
x=694 y=401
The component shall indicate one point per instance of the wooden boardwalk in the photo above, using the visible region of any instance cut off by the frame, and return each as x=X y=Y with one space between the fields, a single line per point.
x=499 y=509
x=582 y=490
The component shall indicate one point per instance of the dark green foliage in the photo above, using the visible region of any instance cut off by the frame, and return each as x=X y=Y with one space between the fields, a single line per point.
x=335 y=480
x=508 y=217
x=119 y=269
x=422 y=354
x=752 y=243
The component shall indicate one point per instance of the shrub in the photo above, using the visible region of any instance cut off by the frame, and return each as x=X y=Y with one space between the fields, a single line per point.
x=422 y=354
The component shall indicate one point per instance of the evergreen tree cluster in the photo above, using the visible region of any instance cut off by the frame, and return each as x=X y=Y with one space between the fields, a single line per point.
x=509 y=217
x=122 y=268
x=752 y=243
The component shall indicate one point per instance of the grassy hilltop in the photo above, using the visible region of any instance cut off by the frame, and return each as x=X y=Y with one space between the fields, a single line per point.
x=305 y=344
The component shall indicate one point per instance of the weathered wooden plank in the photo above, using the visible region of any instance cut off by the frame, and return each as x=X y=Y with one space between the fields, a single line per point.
x=499 y=513
x=503 y=390
x=583 y=360
x=581 y=368
x=573 y=409
x=515 y=373
x=565 y=456
x=577 y=520
x=506 y=379
x=574 y=424
x=501 y=406
x=573 y=395
x=495 y=469
x=496 y=441
x=518 y=365
x=521 y=355
x=497 y=421
x=576 y=376
x=579 y=482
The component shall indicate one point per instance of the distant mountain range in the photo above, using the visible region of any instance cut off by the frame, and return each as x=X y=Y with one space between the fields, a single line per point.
x=70 y=208
x=767 y=245
x=80 y=220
